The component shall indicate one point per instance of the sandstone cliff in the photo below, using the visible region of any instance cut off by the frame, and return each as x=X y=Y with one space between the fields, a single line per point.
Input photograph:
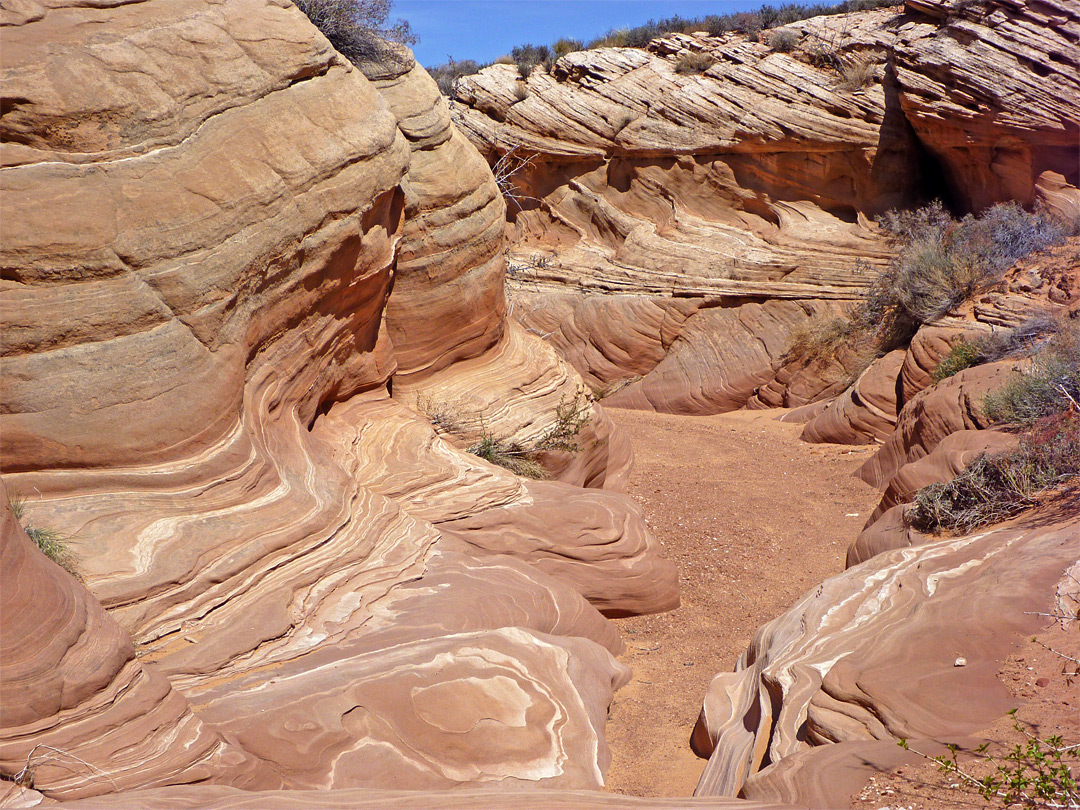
x=224 y=247
x=728 y=205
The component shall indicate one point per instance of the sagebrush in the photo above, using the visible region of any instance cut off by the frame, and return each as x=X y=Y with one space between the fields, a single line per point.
x=358 y=29
x=997 y=486
x=941 y=262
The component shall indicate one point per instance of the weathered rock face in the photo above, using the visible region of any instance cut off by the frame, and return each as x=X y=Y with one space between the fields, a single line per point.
x=870 y=656
x=214 y=273
x=700 y=198
x=991 y=90
x=73 y=692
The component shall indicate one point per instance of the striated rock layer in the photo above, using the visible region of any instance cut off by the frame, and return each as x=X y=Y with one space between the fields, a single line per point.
x=226 y=284
x=870 y=656
x=657 y=214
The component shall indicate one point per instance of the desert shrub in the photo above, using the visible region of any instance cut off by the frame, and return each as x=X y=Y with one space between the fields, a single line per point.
x=521 y=458
x=520 y=91
x=53 y=544
x=694 y=62
x=446 y=74
x=508 y=455
x=855 y=73
x=505 y=59
x=1049 y=385
x=1035 y=773
x=561 y=47
x=784 y=40
x=529 y=56
x=995 y=487
x=941 y=263
x=997 y=345
x=962 y=354
x=358 y=29
x=818 y=336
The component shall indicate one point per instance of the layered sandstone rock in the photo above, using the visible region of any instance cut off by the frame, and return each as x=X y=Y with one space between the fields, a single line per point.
x=992 y=89
x=754 y=180
x=870 y=656
x=723 y=208
x=215 y=272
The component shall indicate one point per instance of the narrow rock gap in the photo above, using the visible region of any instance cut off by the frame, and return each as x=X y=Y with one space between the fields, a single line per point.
x=753 y=518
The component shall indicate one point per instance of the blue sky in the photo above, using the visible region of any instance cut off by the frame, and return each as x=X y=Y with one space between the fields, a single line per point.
x=485 y=29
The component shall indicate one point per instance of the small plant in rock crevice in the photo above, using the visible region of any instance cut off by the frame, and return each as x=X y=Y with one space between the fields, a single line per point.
x=572 y=415
x=53 y=544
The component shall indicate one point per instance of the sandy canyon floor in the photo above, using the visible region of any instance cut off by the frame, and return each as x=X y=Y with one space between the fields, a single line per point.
x=753 y=518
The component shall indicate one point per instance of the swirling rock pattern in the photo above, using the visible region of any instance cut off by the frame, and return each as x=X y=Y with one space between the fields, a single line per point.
x=74 y=693
x=869 y=655
x=215 y=271
x=866 y=411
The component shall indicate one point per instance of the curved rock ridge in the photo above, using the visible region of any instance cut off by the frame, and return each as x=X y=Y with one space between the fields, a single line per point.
x=211 y=797
x=73 y=693
x=870 y=655
x=213 y=276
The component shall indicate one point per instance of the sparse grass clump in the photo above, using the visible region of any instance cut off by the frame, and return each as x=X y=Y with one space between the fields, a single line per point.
x=855 y=73
x=508 y=455
x=1049 y=385
x=996 y=487
x=53 y=544
x=819 y=336
x=694 y=62
x=358 y=29
x=456 y=419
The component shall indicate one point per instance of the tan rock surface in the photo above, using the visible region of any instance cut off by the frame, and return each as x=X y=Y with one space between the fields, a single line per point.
x=954 y=404
x=866 y=411
x=870 y=654
x=214 y=274
x=993 y=91
x=73 y=693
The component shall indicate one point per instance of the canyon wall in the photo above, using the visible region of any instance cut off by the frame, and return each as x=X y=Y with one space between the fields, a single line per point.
x=672 y=225
x=232 y=264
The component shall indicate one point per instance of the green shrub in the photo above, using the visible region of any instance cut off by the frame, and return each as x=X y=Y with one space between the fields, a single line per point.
x=358 y=29
x=54 y=545
x=996 y=487
x=994 y=346
x=1031 y=774
x=962 y=354
x=1049 y=385
x=561 y=47
x=446 y=74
